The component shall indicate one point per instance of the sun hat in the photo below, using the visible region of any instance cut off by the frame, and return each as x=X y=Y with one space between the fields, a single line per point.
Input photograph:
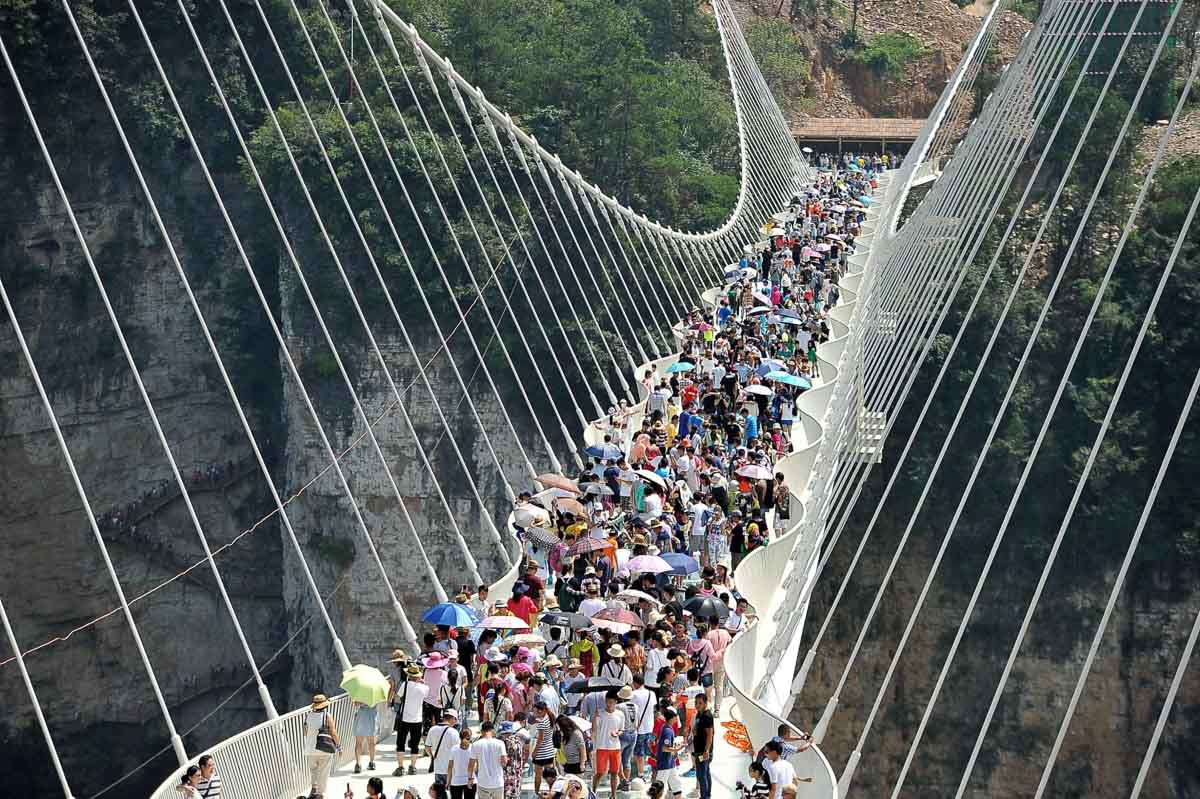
x=625 y=693
x=451 y=712
x=320 y=702
x=398 y=656
x=552 y=661
x=574 y=663
x=493 y=654
x=616 y=651
x=413 y=671
x=435 y=661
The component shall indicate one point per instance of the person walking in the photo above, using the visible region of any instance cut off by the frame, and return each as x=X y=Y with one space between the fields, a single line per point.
x=703 y=732
x=606 y=739
x=321 y=744
x=516 y=751
x=440 y=743
x=366 y=726
x=459 y=766
x=666 y=754
x=485 y=770
x=409 y=719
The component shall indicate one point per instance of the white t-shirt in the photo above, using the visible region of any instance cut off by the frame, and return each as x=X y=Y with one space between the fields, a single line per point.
x=489 y=771
x=413 y=693
x=460 y=758
x=655 y=660
x=441 y=741
x=591 y=606
x=606 y=724
x=625 y=481
x=643 y=703
x=654 y=505
x=781 y=773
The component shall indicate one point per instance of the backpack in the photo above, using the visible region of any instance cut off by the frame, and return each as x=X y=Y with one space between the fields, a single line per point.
x=325 y=742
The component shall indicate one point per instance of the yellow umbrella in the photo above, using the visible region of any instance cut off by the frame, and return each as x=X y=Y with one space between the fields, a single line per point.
x=365 y=684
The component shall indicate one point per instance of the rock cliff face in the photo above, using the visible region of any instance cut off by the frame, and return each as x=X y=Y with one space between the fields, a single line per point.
x=93 y=687
x=1116 y=713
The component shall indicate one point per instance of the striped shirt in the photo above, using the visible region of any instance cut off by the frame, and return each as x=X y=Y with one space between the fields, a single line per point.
x=545 y=749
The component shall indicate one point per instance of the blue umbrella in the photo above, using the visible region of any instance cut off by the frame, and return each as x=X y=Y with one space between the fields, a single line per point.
x=607 y=452
x=789 y=379
x=769 y=365
x=865 y=200
x=451 y=614
x=854 y=168
x=681 y=366
x=681 y=564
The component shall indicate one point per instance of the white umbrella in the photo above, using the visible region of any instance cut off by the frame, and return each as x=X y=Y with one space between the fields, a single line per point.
x=759 y=388
x=653 y=477
x=755 y=472
x=583 y=724
x=806 y=150
x=632 y=594
x=527 y=514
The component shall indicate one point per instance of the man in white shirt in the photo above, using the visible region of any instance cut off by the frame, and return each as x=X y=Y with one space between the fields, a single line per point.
x=440 y=743
x=779 y=770
x=643 y=705
x=592 y=604
x=486 y=768
x=606 y=738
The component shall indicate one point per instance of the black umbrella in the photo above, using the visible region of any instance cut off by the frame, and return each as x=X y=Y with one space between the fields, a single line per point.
x=594 y=684
x=575 y=621
x=705 y=607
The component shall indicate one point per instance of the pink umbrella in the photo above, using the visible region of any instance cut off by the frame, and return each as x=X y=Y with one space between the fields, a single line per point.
x=503 y=623
x=648 y=564
x=824 y=247
x=809 y=252
x=617 y=627
x=619 y=615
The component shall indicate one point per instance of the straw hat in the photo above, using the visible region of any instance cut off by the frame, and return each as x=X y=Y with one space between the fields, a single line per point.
x=552 y=661
x=398 y=656
x=616 y=651
x=625 y=693
x=320 y=702
x=574 y=663
x=413 y=671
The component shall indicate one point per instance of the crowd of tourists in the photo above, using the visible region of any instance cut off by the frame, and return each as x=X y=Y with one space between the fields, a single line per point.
x=603 y=671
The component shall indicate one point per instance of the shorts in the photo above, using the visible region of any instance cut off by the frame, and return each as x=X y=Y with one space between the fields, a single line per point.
x=628 y=739
x=410 y=730
x=670 y=778
x=572 y=768
x=608 y=761
x=641 y=747
x=706 y=680
x=543 y=762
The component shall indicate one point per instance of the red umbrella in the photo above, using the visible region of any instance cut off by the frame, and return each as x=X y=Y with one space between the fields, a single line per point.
x=620 y=616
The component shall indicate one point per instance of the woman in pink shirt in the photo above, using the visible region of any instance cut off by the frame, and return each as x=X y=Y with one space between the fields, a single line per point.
x=718 y=638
